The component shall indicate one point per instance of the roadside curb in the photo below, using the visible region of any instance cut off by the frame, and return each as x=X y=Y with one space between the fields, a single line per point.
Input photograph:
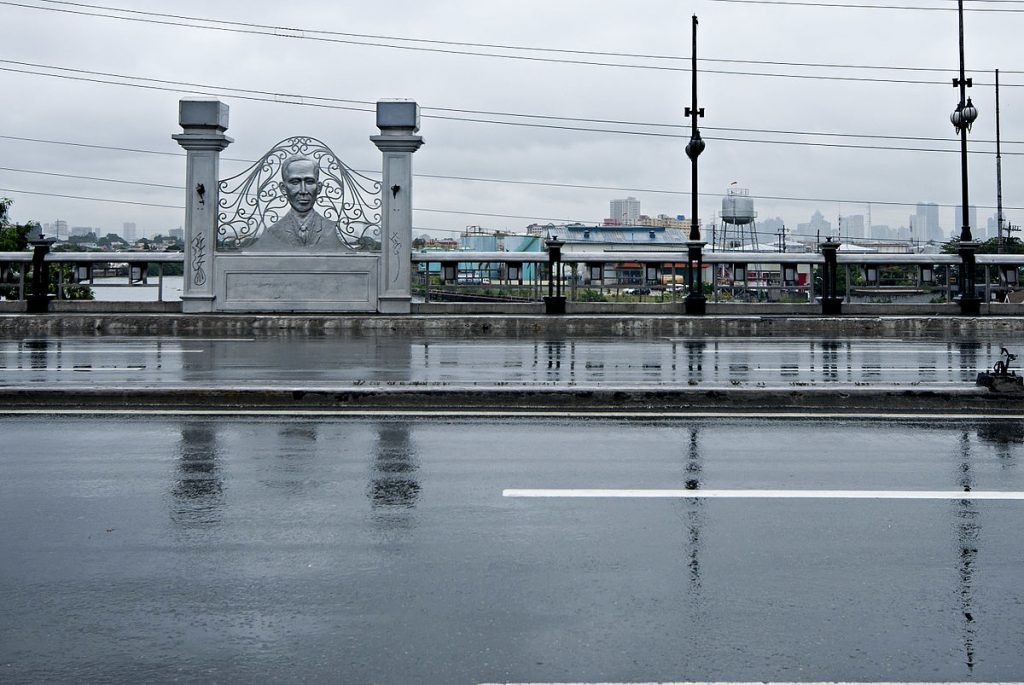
x=619 y=401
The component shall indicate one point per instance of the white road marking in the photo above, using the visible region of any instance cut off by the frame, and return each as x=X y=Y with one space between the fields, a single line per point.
x=681 y=682
x=760 y=494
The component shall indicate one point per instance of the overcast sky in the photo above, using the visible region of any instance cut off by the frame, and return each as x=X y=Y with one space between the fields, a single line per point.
x=649 y=100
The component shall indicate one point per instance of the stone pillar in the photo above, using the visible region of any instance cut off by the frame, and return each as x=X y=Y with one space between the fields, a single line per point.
x=398 y=121
x=204 y=123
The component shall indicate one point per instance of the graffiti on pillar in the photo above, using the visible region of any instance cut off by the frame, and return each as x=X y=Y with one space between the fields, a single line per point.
x=299 y=197
x=396 y=250
x=198 y=260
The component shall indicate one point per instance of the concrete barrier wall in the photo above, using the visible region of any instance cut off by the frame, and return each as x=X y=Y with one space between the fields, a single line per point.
x=632 y=325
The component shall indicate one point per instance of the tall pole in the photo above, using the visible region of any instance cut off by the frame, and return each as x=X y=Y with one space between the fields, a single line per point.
x=965 y=227
x=962 y=118
x=999 y=177
x=695 y=301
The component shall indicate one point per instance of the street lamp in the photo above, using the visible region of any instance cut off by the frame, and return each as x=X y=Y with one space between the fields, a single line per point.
x=695 y=301
x=962 y=118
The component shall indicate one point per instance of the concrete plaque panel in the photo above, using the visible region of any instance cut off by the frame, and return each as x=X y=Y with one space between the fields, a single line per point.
x=296 y=283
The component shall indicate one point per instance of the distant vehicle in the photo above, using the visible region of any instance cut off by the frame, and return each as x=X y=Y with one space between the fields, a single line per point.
x=636 y=291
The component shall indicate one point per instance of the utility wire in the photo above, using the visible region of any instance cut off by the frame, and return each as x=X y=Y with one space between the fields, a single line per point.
x=182 y=207
x=846 y=5
x=502 y=181
x=92 y=178
x=301 y=101
x=332 y=37
x=94 y=199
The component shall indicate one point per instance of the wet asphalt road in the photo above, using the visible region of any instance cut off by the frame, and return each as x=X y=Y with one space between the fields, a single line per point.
x=393 y=359
x=148 y=549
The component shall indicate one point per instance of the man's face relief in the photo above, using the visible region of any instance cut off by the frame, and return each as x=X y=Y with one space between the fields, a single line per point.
x=301 y=186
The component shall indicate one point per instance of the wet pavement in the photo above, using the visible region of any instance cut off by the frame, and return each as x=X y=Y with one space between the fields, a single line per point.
x=144 y=549
x=396 y=359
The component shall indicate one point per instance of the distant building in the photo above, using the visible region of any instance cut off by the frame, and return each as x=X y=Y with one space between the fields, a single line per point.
x=626 y=238
x=664 y=221
x=852 y=227
x=816 y=226
x=625 y=212
x=926 y=222
x=772 y=226
x=129 y=232
x=58 y=229
x=958 y=222
x=176 y=233
x=81 y=230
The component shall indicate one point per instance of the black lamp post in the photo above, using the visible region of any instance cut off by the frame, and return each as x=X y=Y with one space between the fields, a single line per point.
x=963 y=117
x=38 y=300
x=695 y=301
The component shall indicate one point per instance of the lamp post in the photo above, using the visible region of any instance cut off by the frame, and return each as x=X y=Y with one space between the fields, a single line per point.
x=962 y=118
x=695 y=301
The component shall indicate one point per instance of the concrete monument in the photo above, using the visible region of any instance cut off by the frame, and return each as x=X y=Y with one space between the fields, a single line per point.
x=298 y=231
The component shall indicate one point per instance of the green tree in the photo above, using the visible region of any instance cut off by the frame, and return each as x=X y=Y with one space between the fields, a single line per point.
x=990 y=246
x=13 y=237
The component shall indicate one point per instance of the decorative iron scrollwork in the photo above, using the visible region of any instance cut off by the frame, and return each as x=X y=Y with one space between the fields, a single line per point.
x=252 y=200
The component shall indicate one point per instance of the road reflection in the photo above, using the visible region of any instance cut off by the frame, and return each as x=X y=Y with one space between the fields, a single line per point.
x=394 y=486
x=695 y=515
x=198 y=492
x=1007 y=437
x=968 y=528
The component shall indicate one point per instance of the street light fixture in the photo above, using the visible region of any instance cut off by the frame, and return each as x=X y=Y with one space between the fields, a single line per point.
x=695 y=301
x=963 y=117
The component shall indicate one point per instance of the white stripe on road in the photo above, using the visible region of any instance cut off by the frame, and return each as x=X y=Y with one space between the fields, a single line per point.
x=760 y=494
x=681 y=682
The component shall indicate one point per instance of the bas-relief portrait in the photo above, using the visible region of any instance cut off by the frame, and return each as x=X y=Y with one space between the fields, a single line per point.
x=299 y=198
x=302 y=228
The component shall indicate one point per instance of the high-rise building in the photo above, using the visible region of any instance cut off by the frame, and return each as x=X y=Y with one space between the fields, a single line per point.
x=129 y=232
x=926 y=222
x=817 y=226
x=852 y=227
x=58 y=229
x=972 y=214
x=625 y=212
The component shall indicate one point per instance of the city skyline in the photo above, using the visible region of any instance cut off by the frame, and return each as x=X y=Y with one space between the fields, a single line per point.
x=831 y=137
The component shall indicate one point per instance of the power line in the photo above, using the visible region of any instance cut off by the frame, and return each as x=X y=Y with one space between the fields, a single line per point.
x=92 y=178
x=265 y=96
x=333 y=37
x=548 y=184
x=93 y=199
x=181 y=207
x=845 y=5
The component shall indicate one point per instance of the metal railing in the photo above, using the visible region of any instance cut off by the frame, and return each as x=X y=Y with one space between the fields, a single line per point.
x=136 y=270
x=658 y=276
x=649 y=276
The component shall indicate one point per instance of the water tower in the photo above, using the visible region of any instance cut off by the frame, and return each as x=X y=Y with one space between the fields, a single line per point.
x=738 y=229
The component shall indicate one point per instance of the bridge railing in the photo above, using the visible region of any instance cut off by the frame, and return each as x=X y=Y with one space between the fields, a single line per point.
x=594 y=277
x=730 y=276
x=124 y=269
